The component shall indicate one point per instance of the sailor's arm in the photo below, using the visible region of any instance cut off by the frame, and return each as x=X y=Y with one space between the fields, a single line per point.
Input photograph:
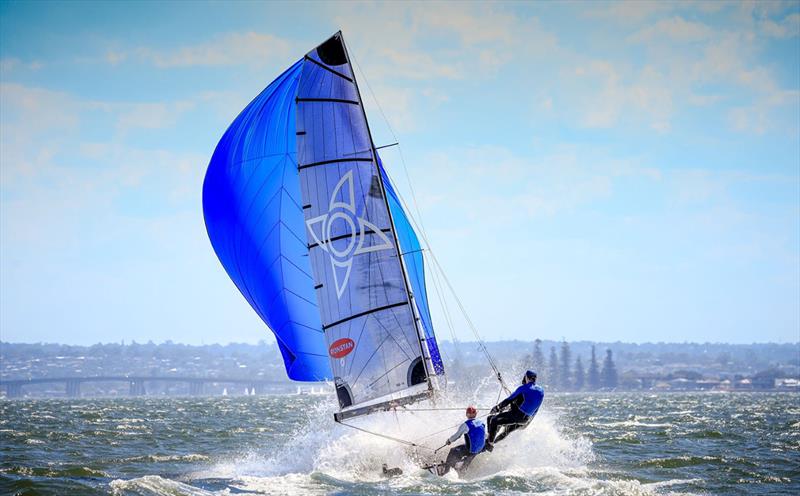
x=508 y=400
x=462 y=429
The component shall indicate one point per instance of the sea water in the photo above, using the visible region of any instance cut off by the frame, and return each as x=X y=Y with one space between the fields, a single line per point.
x=583 y=443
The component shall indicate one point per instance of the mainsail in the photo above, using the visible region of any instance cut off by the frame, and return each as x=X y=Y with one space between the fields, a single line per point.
x=304 y=219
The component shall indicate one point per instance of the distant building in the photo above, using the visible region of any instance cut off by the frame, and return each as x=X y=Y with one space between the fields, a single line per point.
x=787 y=384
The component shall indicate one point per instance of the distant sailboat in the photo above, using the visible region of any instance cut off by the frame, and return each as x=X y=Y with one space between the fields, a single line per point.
x=304 y=219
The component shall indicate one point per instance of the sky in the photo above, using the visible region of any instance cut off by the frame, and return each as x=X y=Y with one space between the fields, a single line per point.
x=585 y=171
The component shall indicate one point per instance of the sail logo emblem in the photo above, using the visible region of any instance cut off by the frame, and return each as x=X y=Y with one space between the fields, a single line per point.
x=341 y=347
x=349 y=245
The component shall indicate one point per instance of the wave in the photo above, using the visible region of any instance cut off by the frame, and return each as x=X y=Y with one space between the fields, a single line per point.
x=54 y=472
x=154 y=485
x=192 y=457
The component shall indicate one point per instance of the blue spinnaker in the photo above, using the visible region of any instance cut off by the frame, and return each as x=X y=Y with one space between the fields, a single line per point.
x=254 y=218
x=308 y=226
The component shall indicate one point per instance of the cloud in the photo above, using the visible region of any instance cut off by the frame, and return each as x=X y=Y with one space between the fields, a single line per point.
x=471 y=26
x=99 y=227
x=41 y=129
x=446 y=40
x=493 y=185
x=394 y=103
x=674 y=29
x=629 y=12
x=114 y=57
x=28 y=115
x=65 y=198
x=607 y=97
x=694 y=186
x=151 y=115
x=727 y=70
x=789 y=27
x=249 y=49
x=430 y=47
x=9 y=64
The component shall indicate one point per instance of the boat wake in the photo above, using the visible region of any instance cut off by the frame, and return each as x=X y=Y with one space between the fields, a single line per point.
x=322 y=457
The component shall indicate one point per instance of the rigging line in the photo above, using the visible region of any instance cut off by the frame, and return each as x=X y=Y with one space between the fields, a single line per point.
x=443 y=303
x=449 y=428
x=438 y=266
x=439 y=409
x=394 y=135
x=425 y=237
x=421 y=227
x=397 y=440
x=440 y=289
x=461 y=307
x=499 y=392
x=469 y=321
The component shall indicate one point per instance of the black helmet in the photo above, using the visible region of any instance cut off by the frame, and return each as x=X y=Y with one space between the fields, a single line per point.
x=530 y=375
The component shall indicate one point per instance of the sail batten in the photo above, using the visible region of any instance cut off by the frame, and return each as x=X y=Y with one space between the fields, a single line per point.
x=333 y=161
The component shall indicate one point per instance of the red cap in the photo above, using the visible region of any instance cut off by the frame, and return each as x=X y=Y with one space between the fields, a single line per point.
x=472 y=411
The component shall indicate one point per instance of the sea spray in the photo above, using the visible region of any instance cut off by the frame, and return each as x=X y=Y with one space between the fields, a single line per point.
x=320 y=446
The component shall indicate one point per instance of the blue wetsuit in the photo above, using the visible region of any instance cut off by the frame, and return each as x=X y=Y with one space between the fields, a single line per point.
x=532 y=396
x=525 y=402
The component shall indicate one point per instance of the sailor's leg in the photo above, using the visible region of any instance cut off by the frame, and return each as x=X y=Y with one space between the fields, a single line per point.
x=520 y=420
x=454 y=456
x=506 y=431
x=465 y=463
x=496 y=421
x=491 y=421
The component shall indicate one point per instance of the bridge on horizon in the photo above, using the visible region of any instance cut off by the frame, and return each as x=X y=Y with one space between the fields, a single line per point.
x=136 y=384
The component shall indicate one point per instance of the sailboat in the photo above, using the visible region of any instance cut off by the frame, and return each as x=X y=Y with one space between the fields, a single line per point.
x=303 y=217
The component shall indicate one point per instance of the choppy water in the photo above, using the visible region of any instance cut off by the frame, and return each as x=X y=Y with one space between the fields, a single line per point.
x=579 y=444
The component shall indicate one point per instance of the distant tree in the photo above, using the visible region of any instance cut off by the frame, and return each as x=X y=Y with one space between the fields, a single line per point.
x=692 y=375
x=580 y=375
x=765 y=379
x=594 y=372
x=537 y=360
x=565 y=359
x=553 y=377
x=608 y=377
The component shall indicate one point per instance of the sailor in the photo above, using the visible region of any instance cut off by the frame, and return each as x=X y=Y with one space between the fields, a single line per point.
x=474 y=432
x=523 y=403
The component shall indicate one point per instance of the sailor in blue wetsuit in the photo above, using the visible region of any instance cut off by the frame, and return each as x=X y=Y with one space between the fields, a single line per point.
x=523 y=403
x=474 y=433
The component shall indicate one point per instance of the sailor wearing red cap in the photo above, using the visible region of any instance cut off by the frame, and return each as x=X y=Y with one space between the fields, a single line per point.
x=474 y=432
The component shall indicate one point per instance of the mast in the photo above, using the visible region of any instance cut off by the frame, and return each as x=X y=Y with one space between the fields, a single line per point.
x=415 y=311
